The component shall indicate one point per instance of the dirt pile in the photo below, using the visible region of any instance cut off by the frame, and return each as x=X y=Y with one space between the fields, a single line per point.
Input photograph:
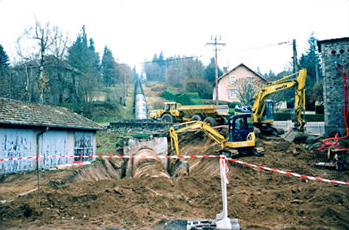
x=259 y=199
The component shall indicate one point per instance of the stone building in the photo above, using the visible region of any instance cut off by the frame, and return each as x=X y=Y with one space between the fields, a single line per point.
x=28 y=130
x=334 y=52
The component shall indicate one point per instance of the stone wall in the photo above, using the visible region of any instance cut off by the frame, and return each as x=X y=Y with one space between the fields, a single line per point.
x=333 y=52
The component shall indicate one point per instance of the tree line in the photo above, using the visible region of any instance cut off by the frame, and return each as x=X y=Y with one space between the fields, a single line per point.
x=53 y=70
x=188 y=73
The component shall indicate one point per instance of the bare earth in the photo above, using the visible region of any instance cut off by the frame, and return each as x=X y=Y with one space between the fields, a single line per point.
x=95 y=199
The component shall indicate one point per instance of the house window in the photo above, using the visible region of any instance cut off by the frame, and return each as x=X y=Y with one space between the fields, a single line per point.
x=232 y=79
x=232 y=93
x=249 y=79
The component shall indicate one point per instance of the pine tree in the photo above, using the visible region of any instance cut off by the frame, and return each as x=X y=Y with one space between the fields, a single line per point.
x=160 y=60
x=82 y=54
x=210 y=72
x=135 y=75
x=4 y=62
x=85 y=60
x=155 y=71
x=5 y=82
x=108 y=67
x=93 y=62
x=311 y=61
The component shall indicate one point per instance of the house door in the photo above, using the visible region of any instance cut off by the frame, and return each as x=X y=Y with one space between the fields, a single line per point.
x=54 y=143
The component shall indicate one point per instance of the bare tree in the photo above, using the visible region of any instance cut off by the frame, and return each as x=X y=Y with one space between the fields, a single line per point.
x=245 y=90
x=26 y=51
x=33 y=46
x=59 y=51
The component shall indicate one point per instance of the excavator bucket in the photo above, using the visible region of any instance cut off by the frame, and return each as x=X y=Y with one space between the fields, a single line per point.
x=294 y=135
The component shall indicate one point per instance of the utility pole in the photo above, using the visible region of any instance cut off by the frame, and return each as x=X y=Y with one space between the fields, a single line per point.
x=125 y=92
x=316 y=72
x=215 y=43
x=294 y=58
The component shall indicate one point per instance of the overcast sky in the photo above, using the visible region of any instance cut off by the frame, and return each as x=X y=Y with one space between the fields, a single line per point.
x=137 y=29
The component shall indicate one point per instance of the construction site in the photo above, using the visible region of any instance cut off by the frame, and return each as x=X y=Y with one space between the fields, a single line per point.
x=197 y=167
x=97 y=197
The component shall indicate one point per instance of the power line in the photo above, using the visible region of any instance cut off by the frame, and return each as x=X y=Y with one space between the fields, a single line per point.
x=215 y=44
x=202 y=55
x=264 y=46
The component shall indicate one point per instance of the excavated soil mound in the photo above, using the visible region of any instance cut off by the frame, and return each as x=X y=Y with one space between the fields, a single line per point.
x=259 y=199
x=97 y=172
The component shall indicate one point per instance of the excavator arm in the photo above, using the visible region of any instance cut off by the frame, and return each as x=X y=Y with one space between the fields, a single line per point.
x=260 y=97
x=299 y=103
x=241 y=137
x=193 y=126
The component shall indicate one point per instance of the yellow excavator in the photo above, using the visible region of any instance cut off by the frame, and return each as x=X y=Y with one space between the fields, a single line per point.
x=241 y=138
x=262 y=110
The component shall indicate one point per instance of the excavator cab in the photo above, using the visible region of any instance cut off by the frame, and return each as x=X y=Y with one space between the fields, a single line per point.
x=240 y=127
x=268 y=113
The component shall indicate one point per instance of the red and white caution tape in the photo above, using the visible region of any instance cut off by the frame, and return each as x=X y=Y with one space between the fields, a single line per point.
x=187 y=157
x=111 y=157
x=289 y=173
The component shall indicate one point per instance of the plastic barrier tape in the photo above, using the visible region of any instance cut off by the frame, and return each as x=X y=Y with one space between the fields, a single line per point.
x=289 y=173
x=189 y=157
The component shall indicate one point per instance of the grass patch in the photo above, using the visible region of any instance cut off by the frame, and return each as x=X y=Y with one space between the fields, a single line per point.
x=107 y=140
x=112 y=109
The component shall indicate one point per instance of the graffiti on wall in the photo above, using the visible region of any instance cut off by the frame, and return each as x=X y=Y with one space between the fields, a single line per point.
x=83 y=145
x=16 y=143
x=54 y=143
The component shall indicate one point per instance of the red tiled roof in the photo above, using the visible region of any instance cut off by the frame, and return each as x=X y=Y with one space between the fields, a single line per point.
x=13 y=112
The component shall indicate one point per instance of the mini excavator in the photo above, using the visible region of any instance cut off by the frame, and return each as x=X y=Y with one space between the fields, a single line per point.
x=241 y=139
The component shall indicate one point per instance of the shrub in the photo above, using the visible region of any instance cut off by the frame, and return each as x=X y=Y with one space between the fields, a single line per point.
x=231 y=111
x=170 y=95
x=233 y=104
x=290 y=116
x=190 y=99
x=314 y=117
x=198 y=101
x=202 y=87
x=282 y=116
